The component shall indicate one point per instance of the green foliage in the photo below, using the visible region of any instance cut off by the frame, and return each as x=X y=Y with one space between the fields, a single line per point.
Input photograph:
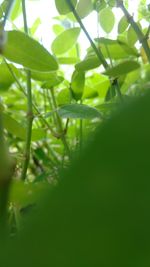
x=84 y=8
x=107 y=19
x=102 y=200
x=74 y=136
x=68 y=38
x=78 y=111
x=23 y=50
x=63 y=7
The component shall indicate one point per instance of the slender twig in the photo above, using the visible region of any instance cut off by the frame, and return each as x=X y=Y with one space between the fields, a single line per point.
x=141 y=37
x=147 y=33
x=2 y=25
x=7 y=12
x=30 y=106
x=95 y=48
x=97 y=51
x=59 y=125
x=33 y=104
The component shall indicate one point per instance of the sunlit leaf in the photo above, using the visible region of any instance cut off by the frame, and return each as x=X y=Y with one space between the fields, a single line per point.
x=24 y=50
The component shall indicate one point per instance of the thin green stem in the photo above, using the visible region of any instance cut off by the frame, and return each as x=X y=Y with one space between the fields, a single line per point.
x=33 y=104
x=59 y=125
x=117 y=88
x=8 y=10
x=97 y=51
x=29 y=108
x=141 y=37
x=95 y=48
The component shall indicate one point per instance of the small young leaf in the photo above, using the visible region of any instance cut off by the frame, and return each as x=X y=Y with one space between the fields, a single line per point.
x=123 y=24
x=63 y=7
x=89 y=63
x=84 y=7
x=107 y=19
x=131 y=36
x=64 y=97
x=77 y=84
x=65 y=41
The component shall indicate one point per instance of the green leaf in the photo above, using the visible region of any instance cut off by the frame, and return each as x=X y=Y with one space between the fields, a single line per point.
x=99 y=5
x=84 y=7
x=116 y=49
x=78 y=111
x=38 y=134
x=107 y=19
x=43 y=76
x=57 y=29
x=131 y=36
x=65 y=41
x=18 y=130
x=90 y=62
x=35 y=26
x=14 y=127
x=77 y=84
x=122 y=68
x=64 y=97
x=123 y=24
x=25 y=51
x=3 y=8
x=62 y=6
x=16 y=10
x=100 y=83
x=6 y=78
x=54 y=81
x=68 y=60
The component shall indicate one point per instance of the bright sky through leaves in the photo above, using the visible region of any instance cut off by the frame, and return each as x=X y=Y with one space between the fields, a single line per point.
x=46 y=11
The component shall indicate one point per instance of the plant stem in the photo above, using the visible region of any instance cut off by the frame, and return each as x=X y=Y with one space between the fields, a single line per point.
x=8 y=10
x=95 y=48
x=141 y=37
x=30 y=107
x=33 y=104
x=118 y=91
x=59 y=125
x=97 y=51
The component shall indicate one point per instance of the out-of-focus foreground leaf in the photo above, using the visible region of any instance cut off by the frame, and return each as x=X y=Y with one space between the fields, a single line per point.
x=98 y=215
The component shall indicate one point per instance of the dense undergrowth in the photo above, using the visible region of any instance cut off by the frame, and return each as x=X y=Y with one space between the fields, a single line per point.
x=53 y=100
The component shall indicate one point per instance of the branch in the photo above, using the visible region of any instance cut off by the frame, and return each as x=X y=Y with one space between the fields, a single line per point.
x=97 y=51
x=141 y=37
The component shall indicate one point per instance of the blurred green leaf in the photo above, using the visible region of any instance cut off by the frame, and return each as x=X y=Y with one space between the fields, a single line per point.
x=122 y=68
x=107 y=19
x=84 y=7
x=68 y=38
x=62 y=6
x=24 y=50
x=78 y=111
x=123 y=24
x=77 y=84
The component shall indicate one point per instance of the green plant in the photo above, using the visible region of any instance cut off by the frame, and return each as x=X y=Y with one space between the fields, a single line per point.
x=48 y=144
